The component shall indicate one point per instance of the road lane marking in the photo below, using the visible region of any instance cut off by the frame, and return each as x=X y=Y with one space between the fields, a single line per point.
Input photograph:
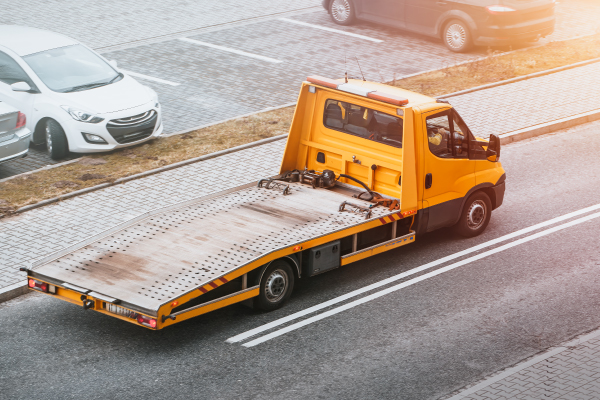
x=150 y=78
x=324 y=28
x=310 y=310
x=230 y=50
x=411 y=282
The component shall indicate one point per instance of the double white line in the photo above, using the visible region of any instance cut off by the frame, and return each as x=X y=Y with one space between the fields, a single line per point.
x=253 y=332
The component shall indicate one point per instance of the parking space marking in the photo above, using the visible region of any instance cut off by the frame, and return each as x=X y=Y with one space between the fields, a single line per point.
x=150 y=78
x=230 y=50
x=324 y=28
x=310 y=310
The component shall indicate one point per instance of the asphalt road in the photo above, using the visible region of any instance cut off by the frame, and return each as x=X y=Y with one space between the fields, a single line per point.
x=420 y=342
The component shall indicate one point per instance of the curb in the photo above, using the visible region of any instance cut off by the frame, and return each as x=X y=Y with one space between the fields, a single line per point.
x=522 y=78
x=151 y=172
x=12 y=291
x=548 y=127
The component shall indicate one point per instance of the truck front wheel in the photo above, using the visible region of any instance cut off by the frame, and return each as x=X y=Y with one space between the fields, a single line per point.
x=475 y=216
x=276 y=286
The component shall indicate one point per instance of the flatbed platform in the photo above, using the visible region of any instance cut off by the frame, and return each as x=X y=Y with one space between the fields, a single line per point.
x=151 y=261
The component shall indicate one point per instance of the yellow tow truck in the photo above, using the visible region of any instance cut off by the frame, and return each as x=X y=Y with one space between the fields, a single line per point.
x=367 y=168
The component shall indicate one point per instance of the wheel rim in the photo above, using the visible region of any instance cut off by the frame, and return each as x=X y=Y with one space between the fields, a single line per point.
x=276 y=285
x=340 y=10
x=456 y=36
x=476 y=215
x=48 y=139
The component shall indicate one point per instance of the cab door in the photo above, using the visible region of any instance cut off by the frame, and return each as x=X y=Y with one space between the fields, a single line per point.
x=422 y=15
x=448 y=172
x=389 y=12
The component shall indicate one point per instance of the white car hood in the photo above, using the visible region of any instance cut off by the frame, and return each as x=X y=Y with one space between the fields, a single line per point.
x=122 y=95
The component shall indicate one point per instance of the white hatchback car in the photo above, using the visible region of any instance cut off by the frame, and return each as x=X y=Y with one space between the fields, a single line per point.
x=74 y=99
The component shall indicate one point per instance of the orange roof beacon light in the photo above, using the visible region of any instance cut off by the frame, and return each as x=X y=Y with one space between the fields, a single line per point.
x=358 y=90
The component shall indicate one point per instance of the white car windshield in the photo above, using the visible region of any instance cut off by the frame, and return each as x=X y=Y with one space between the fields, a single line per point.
x=71 y=69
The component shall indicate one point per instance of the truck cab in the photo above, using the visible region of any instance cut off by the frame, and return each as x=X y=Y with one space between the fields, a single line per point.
x=401 y=144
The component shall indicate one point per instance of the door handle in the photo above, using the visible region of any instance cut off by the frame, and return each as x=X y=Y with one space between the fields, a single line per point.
x=428 y=181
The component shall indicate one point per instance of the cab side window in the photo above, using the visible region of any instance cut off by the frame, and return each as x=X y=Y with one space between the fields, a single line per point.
x=363 y=122
x=447 y=135
x=11 y=72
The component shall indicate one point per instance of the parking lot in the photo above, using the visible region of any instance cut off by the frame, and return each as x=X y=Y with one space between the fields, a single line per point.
x=238 y=61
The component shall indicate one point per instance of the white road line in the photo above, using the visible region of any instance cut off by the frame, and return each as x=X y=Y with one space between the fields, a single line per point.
x=411 y=282
x=324 y=28
x=310 y=310
x=402 y=285
x=150 y=78
x=230 y=50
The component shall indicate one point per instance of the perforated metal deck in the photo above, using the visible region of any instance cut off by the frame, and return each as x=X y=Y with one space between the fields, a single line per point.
x=169 y=254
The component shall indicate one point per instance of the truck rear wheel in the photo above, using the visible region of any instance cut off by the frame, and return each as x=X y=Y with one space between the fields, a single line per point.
x=276 y=286
x=475 y=216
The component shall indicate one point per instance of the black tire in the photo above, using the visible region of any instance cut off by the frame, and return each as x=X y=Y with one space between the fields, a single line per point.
x=457 y=36
x=276 y=286
x=342 y=12
x=475 y=216
x=56 y=140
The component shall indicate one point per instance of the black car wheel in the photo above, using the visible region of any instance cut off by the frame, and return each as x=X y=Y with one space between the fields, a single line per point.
x=56 y=140
x=276 y=286
x=457 y=36
x=475 y=216
x=342 y=12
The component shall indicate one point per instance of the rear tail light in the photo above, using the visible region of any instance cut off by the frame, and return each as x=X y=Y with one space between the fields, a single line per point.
x=146 y=321
x=21 y=120
x=499 y=9
x=41 y=286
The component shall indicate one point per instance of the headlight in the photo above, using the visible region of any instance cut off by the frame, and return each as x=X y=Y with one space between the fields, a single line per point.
x=82 y=116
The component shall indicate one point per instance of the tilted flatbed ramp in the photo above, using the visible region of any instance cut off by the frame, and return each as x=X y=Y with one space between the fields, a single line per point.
x=190 y=250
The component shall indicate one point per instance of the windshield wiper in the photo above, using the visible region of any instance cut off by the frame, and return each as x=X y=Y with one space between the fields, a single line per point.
x=119 y=75
x=86 y=86
x=94 y=85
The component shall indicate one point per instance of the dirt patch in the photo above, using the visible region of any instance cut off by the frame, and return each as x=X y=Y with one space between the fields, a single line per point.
x=89 y=177
x=92 y=161
x=497 y=67
x=64 y=184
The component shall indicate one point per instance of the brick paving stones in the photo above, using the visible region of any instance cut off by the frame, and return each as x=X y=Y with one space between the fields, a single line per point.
x=573 y=373
x=216 y=85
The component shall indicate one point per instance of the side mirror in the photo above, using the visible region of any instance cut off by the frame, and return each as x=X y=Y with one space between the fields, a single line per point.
x=20 y=87
x=493 y=151
x=113 y=63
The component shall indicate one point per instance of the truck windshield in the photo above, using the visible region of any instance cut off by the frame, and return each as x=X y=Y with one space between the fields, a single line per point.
x=363 y=122
x=72 y=69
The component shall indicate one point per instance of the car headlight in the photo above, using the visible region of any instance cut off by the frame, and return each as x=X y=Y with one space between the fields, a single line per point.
x=82 y=116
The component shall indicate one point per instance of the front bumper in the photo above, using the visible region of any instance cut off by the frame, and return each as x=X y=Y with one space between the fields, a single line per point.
x=77 y=143
x=16 y=147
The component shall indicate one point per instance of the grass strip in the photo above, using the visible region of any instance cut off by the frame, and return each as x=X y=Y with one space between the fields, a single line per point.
x=95 y=169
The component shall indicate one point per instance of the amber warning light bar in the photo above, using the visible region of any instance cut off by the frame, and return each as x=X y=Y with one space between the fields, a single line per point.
x=358 y=90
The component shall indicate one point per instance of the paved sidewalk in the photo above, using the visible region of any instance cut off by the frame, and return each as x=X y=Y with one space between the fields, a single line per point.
x=38 y=232
x=570 y=371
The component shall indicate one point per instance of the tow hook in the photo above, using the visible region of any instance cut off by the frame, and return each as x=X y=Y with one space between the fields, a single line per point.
x=166 y=317
x=87 y=303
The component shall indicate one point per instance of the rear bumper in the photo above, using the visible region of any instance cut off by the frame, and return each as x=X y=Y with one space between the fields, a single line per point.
x=16 y=147
x=506 y=35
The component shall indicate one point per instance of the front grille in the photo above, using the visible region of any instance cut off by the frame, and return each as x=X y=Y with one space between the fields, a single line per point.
x=136 y=119
x=134 y=128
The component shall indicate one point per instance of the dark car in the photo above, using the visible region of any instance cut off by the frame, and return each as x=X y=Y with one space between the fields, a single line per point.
x=459 y=23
